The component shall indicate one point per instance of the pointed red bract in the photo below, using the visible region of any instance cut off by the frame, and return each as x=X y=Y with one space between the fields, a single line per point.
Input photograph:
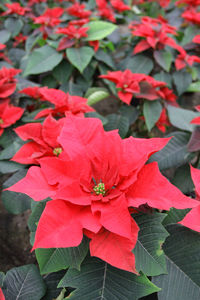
x=94 y=188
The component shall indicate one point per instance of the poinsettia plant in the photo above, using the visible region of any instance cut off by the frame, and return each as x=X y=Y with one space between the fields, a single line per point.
x=99 y=140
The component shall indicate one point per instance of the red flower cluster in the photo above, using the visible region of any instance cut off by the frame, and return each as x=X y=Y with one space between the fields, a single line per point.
x=7 y=81
x=155 y=31
x=49 y=19
x=78 y=10
x=42 y=141
x=94 y=188
x=106 y=10
x=184 y=59
x=190 y=3
x=65 y=104
x=19 y=39
x=163 y=121
x=9 y=114
x=192 y=219
x=73 y=34
x=139 y=85
x=15 y=8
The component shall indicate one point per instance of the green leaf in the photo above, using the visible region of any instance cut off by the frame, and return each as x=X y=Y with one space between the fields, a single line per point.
x=174 y=153
x=56 y=259
x=13 y=25
x=138 y=64
x=163 y=76
x=181 y=118
x=62 y=72
x=29 y=118
x=194 y=87
x=175 y=215
x=10 y=167
x=152 y=111
x=51 y=281
x=98 y=30
x=37 y=209
x=117 y=122
x=32 y=41
x=182 y=80
x=164 y=59
x=15 y=203
x=189 y=34
x=149 y=256
x=183 y=265
x=80 y=57
x=182 y=179
x=98 y=280
x=24 y=283
x=104 y=57
x=4 y=36
x=97 y=95
x=129 y=112
x=1 y=278
x=94 y=114
x=42 y=60
x=9 y=151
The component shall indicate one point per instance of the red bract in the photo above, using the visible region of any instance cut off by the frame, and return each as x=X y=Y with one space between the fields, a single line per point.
x=65 y=104
x=42 y=141
x=93 y=188
x=138 y=85
x=9 y=114
x=2 y=55
x=49 y=20
x=197 y=119
x=190 y=3
x=14 y=8
x=192 y=16
x=196 y=39
x=163 y=121
x=155 y=33
x=119 y=5
x=78 y=10
x=183 y=59
x=192 y=219
x=19 y=39
x=73 y=34
x=105 y=10
x=1 y=295
x=7 y=81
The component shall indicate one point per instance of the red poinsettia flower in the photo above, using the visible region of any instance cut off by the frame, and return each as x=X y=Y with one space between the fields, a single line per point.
x=42 y=141
x=19 y=39
x=190 y=3
x=7 y=81
x=183 y=59
x=65 y=104
x=196 y=39
x=73 y=34
x=163 y=121
x=192 y=219
x=155 y=33
x=49 y=19
x=15 y=8
x=9 y=114
x=119 y=5
x=78 y=10
x=105 y=10
x=94 y=197
x=2 y=297
x=138 y=85
x=192 y=16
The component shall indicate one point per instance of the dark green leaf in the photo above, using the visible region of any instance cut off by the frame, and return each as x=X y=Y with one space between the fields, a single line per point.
x=182 y=179
x=15 y=203
x=117 y=122
x=183 y=265
x=138 y=64
x=42 y=60
x=175 y=153
x=37 y=209
x=10 y=167
x=163 y=76
x=98 y=280
x=62 y=72
x=164 y=59
x=56 y=259
x=149 y=256
x=94 y=114
x=24 y=283
x=182 y=80
x=1 y=278
x=152 y=111
x=4 y=36
x=13 y=25
x=51 y=281
x=175 y=215
x=105 y=58
x=181 y=118
x=80 y=57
